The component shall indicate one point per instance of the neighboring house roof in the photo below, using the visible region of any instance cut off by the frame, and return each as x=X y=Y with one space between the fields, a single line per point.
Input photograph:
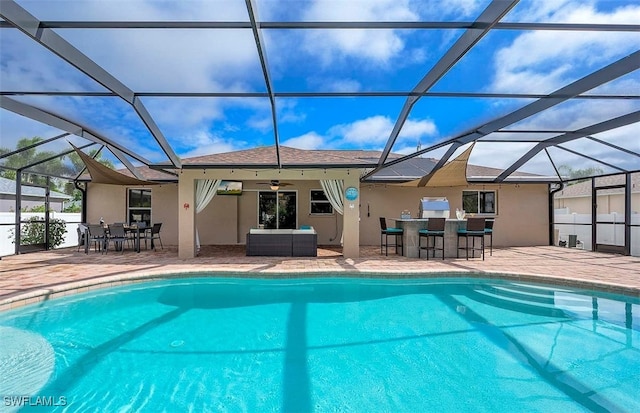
x=583 y=189
x=8 y=187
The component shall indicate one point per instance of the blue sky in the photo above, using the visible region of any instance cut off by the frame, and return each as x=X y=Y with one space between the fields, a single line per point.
x=317 y=60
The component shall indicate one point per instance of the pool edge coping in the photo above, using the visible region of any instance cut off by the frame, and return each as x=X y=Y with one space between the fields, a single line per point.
x=74 y=287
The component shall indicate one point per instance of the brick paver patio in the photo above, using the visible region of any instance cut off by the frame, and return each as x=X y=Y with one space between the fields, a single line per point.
x=32 y=277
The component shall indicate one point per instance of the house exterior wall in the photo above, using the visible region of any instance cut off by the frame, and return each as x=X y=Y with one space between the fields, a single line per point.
x=110 y=203
x=231 y=217
x=606 y=203
x=8 y=203
x=521 y=220
x=577 y=205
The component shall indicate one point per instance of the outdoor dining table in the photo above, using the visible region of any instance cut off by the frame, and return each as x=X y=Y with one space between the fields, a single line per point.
x=137 y=231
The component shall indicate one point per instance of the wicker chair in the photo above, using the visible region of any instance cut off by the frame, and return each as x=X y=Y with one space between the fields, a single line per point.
x=474 y=229
x=488 y=231
x=385 y=233
x=435 y=230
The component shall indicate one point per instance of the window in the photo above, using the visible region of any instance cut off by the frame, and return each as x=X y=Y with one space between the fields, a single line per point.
x=320 y=205
x=277 y=210
x=139 y=206
x=479 y=202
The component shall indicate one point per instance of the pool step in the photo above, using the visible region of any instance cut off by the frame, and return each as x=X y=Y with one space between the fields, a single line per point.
x=538 y=301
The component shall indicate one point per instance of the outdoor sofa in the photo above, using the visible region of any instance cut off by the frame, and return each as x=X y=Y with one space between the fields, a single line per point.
x=282 y=242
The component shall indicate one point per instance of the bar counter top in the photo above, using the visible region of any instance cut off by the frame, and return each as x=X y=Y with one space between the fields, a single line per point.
x=410 y=238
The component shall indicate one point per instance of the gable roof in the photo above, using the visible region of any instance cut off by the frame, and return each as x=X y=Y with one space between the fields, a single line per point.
x=8 y=187
x=412 y=168
x=264 y=156
x=583 y=188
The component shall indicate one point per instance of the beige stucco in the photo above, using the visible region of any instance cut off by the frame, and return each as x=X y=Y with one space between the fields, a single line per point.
x=522 y=218
x=606 y=203
x=216 y=222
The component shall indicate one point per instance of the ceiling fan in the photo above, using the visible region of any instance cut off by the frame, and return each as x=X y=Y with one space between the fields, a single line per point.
x=275 y=184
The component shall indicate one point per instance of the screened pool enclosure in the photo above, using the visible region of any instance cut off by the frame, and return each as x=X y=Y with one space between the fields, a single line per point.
x=549 y=90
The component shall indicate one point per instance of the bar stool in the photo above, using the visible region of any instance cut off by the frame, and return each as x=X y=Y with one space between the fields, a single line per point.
x=385 y=232
x=488 y=231
x=475 y=229
x=435 y=230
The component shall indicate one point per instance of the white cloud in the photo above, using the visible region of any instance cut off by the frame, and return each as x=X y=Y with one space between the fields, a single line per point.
x=13 y=127
x=309 y=140
x=153 y=60
x=206 y=143
x=440 y=9
x=542 y=61
x=417 y=129
x=374 y=131
x=344 y=85
x=373 y=45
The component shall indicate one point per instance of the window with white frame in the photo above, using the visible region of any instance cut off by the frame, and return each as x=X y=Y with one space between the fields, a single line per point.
x=320 y=204
x=479 y=202
x=139 y=206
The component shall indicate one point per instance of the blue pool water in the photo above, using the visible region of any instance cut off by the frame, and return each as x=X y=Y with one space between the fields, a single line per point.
x=324 y=345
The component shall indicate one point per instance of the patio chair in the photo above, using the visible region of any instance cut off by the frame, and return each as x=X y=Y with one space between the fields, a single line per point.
x=488 y=231
x=385 y=233
x=474 y=229
x=435 y=230
x=118 y=236
x=82 y=235
x=96 y=236
x=152 y=235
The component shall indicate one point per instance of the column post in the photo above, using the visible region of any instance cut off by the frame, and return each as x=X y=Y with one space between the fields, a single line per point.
x=186 y=215
x=351 y=216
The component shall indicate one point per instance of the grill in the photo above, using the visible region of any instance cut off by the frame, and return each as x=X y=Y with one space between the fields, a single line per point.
x=434 y=208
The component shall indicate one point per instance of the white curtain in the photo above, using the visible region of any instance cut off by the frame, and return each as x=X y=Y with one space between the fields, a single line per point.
x=333 y=189
x=205 y=191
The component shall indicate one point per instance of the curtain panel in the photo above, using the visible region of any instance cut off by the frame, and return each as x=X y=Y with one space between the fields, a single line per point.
x=205 y=191
x=333 y=189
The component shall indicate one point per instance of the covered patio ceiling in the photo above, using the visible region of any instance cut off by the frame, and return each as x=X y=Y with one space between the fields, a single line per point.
x=540 y=86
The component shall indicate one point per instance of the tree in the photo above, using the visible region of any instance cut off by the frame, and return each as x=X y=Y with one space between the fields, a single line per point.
x=571 y=173
x=30 y=156
x=57 y=166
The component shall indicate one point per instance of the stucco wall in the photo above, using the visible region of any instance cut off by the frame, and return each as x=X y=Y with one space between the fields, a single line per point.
x=228 y=218
x=110 y=203
x=522 y=217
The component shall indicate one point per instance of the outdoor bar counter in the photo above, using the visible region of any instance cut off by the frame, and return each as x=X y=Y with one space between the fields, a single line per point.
x=410 y=237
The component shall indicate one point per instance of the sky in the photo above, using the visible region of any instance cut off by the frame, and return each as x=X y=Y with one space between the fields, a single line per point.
x=351 y=60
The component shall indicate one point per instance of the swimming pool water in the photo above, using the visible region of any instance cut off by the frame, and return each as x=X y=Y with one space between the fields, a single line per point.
x=325 y=345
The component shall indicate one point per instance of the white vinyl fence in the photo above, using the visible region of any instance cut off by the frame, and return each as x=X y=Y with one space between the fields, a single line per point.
x=580 y=225
x=7 y=220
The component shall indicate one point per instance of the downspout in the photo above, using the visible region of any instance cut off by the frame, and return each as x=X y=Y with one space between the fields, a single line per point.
x=47 y=230
x=551 y=214
x=18 y=217
x=83 y=216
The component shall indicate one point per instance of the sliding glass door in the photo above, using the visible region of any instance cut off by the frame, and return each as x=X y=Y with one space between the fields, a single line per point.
x=277 y=209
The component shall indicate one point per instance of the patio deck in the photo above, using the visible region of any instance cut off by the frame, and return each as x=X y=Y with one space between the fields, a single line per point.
x=37 y=276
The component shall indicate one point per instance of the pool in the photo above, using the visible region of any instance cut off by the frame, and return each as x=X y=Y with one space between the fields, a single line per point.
x=324 y=345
